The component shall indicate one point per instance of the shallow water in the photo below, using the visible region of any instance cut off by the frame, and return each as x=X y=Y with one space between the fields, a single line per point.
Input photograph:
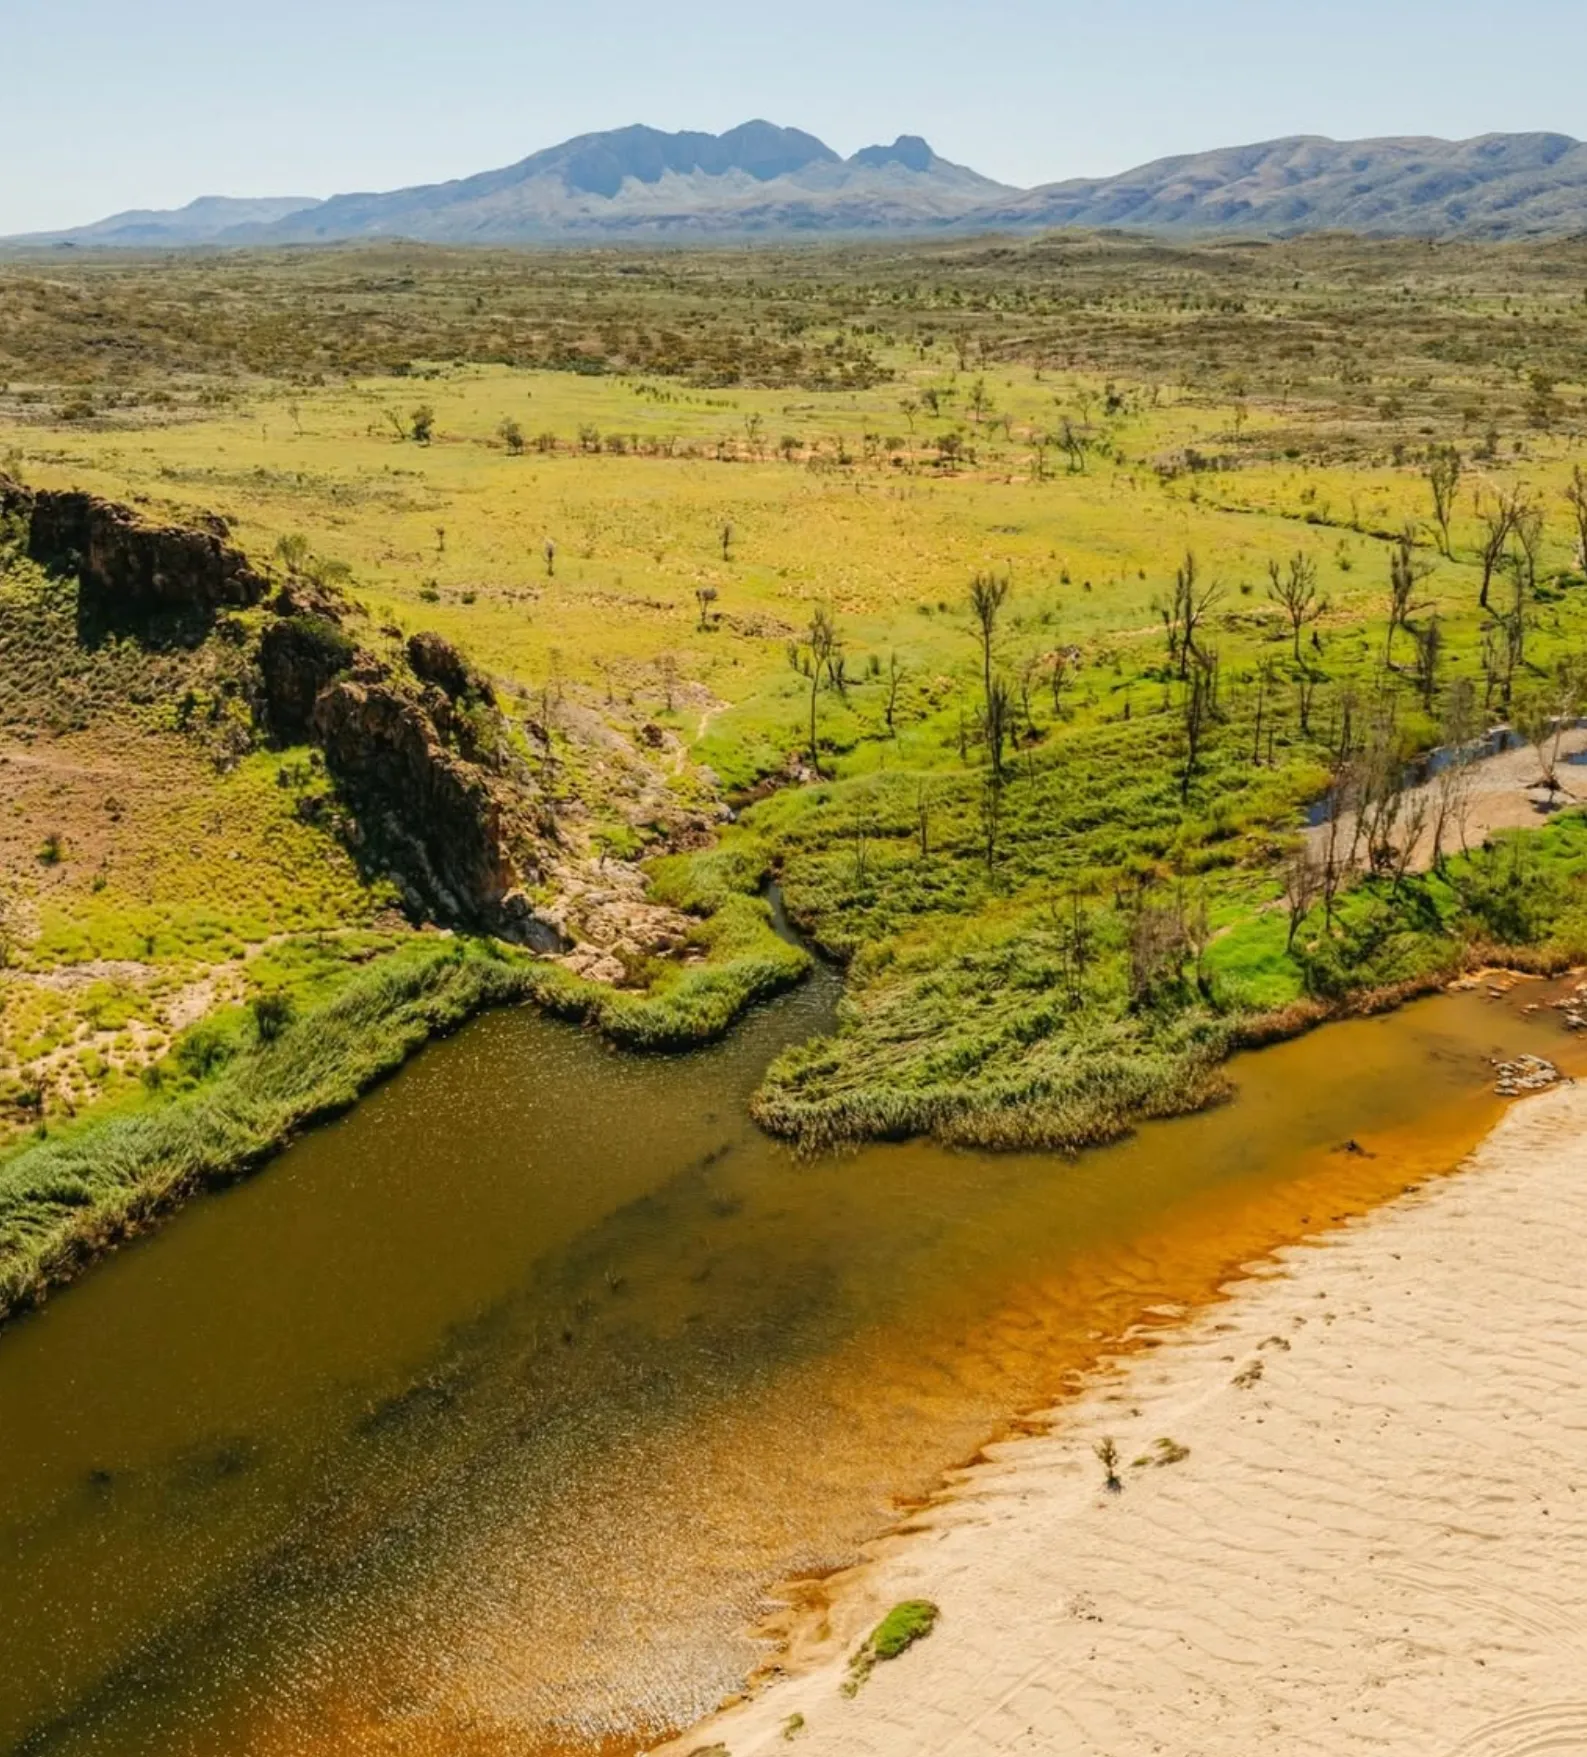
x=484 y=1418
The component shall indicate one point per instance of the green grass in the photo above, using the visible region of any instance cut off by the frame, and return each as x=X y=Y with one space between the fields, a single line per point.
x=240 y=1082
x=61 y=1200
x=904 y=1625
x=1249 y=405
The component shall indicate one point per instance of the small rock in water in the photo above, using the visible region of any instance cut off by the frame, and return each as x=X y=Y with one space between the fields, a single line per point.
x=1526 y=1073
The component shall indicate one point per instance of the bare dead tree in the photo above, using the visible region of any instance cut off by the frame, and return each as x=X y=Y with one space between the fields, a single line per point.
x=1528 y=542
x=1303 y=886
x=1456 y=771
x=923 y=799
x=996 y=724
x=1060 y=662
x=1443 y=479
x=1576 y=496
x=814 y=656
x=897 y=671
x=1498 y=521
x=1200 y=698
x=1184 y=614
x=1543 y=718
x=990 y=813
x=1405 y=574
x=1342 y=828
x=1382 y=786
x=1264 y=679
x=1306 y=681
x=1295 y=590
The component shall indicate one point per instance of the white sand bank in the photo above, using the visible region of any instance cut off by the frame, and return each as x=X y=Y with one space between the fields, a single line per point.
x=1377 y=1543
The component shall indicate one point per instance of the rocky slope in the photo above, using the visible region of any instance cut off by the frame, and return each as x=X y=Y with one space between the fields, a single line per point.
x=165 y=581
x=431 y=784
x=1496 y=186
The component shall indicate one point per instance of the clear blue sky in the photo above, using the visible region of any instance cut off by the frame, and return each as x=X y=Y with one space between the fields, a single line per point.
x=109 y=104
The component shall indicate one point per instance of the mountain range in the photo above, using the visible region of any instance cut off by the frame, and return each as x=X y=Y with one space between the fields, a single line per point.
x=762 y=180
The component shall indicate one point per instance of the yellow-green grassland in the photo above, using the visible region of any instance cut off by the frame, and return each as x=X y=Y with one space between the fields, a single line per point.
x=672 y=505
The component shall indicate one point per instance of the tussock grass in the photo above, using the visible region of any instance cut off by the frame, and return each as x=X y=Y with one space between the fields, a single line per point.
x=237 y=1091
x=63 y=1200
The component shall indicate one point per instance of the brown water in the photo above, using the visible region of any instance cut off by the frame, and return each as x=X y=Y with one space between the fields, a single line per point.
x=483 y=1419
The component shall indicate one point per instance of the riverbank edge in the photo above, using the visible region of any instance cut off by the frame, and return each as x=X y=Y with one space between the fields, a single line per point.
x=1101 y=1108
x=819 y=1618
x=68 y=1200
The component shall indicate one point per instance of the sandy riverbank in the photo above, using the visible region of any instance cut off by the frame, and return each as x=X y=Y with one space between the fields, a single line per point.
x=1376 y=1543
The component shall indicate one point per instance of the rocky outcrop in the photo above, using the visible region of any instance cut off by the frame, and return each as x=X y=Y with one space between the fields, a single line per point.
x=435 y=660
x=461 y=839
x=299 y=656
x=162 y=582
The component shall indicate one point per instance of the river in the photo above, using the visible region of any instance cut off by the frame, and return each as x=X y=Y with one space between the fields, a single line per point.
x=484 y=1419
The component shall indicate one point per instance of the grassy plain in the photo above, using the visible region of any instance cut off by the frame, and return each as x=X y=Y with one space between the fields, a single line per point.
x=635 y=480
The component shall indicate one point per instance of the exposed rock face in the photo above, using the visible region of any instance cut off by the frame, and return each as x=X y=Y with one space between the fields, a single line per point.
x=298 y=657
x=456 y=834
x=164 y=581
x=435 y=660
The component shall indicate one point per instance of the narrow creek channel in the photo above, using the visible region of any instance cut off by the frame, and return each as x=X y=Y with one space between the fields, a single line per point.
x=483 y=1420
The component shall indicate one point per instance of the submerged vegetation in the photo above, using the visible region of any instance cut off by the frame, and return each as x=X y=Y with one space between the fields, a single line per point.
x=1061 y=623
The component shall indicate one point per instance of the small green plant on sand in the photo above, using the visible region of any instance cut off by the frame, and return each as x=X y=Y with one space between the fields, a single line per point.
x=900 y=1629
x=793 y=1726
x=1108 y=1456
x=1164 y=1451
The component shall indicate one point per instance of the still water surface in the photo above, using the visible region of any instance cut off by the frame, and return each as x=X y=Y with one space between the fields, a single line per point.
x=483 y=1420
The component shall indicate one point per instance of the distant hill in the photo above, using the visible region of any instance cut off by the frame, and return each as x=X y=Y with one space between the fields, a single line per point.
x=762 y=180
x=1497 y=186
x=201 y=222
x=640 y=182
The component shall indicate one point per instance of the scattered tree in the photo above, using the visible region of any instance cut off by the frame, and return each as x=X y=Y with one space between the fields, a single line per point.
x=1295 y=590
x=1184 y=614
x=1200 y=696
x=1576 y=495
x=1443 y=479
x=1497 y=517
x=815 y=656
x=1303 y=885
x=896 y=673
x=1405 y=574
x=988 y=594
